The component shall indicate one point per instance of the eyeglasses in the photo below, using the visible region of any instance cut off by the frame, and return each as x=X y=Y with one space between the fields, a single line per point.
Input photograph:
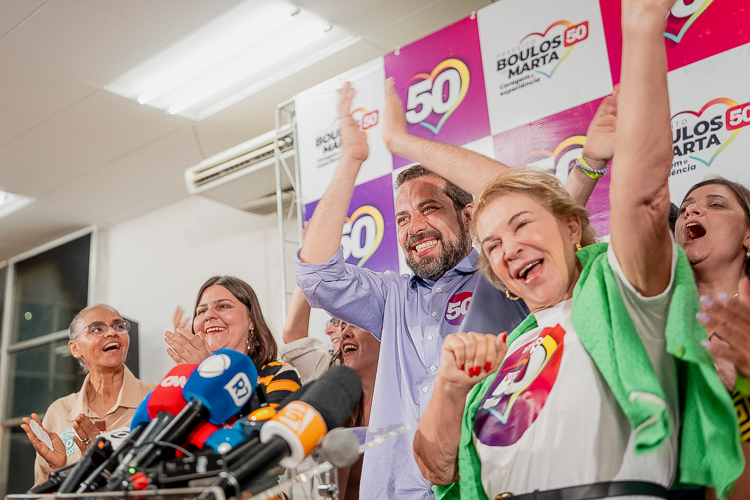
x=118 y=326
x=336 y=323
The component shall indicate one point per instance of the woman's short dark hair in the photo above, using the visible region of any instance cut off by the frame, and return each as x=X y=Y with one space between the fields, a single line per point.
x=741 y=194
x=262 y=348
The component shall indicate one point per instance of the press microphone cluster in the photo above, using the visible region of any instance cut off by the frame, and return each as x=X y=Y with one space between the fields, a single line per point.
x=214 y=410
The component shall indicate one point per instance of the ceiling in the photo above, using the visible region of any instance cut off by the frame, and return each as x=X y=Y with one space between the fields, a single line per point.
x=92 y=157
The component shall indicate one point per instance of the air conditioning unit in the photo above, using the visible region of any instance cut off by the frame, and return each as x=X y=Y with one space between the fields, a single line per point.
x=244 y=176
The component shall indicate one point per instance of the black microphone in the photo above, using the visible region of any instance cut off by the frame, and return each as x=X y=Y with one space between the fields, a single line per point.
x=95 y=455
x=53 y=482
x=99 y=476
x=296 y=429
x=115 y=477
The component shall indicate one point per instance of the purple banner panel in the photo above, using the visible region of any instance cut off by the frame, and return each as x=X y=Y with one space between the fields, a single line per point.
x=441 y=83
x=369 y=236
x=553 y=144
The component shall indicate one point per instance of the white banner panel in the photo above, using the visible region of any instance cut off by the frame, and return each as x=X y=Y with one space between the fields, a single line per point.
x=710 y=105
x=541 y=57
x=318 y=128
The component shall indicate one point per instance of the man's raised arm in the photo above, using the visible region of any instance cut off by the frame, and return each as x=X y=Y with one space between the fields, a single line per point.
x=323 y=236
x=471 y=171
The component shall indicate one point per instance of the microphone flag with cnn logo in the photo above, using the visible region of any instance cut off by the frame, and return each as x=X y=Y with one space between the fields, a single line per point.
x=167 y=395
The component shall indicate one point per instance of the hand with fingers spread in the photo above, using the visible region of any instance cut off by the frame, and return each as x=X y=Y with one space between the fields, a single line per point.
x=353 y=140
x=469 y=358
x=86 y=432
x=184 y=347
x=55 y=457
x=727 y=320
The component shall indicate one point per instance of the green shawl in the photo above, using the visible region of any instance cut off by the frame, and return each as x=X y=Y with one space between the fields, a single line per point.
x=710 y=452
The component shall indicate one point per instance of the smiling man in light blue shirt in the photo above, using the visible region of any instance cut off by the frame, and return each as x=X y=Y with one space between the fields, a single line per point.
x=410 y=315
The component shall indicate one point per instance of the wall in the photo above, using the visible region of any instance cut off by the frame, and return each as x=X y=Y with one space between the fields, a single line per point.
x=150 y=264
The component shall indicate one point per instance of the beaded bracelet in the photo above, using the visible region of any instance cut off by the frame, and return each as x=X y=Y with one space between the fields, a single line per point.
x=591 y=172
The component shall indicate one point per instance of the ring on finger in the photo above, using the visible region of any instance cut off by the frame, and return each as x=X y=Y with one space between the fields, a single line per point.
x=86 y=440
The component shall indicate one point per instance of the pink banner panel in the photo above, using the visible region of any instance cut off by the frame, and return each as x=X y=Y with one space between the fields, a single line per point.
x=552 y=144
x=441 y=84
x=696 y=29
x=369 y=236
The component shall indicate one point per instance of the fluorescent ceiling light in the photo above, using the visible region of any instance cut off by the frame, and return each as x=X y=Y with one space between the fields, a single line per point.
x=10 y=202
x=245 y=47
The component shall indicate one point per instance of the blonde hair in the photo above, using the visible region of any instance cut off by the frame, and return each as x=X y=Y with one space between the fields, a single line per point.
x=540 y=186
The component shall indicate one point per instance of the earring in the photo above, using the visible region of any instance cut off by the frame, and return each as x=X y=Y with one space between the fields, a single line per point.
x=578 y=247
x=747 y=254
x=250 y=339
x=511 y=297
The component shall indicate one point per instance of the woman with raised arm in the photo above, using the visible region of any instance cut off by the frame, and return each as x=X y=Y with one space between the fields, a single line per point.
x=604 y=390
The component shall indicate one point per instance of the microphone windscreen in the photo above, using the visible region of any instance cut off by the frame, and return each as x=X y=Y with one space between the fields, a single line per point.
x=167 y=396
x=334 y=395
x=141 y=415
x=340 y=447
x=223 y=382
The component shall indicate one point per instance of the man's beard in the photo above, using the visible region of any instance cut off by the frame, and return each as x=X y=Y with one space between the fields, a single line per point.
x=433 y=267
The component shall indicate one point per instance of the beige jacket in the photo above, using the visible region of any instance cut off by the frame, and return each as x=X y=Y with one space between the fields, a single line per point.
x=62 y=413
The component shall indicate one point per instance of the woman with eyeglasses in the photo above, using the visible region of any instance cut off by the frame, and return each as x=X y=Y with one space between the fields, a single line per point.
x=110 y=393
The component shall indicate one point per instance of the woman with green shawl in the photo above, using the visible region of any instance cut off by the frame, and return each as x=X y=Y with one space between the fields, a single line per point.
x=604 y=390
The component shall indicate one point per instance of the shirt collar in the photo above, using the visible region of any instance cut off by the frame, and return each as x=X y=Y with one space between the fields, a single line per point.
x=129 y=396
x=467 y=266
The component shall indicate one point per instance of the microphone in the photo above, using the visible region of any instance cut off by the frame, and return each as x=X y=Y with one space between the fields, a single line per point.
x=340 y=447
x=54 y=480
x=141 y=415
x=167 y=396
x=296 y=429
x=95 y=455
x=216 y=390
x=98 y=477
x=116 y=469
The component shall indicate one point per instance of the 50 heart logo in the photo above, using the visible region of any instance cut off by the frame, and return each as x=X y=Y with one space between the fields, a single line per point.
x=702 y=135
x=682 y=16
x=439 y=92
x=543 y=51
x=362 y=234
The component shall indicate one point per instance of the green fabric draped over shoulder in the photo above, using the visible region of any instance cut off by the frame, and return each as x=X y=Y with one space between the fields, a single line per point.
x=710 y=450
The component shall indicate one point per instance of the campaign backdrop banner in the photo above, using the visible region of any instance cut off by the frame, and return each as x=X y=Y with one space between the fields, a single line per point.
x=318 y=131
x=710 y=109
x=541 y=57
x=520 y=81
x=552 y=144
x=369 y=234
x=696 y=29
x=439 y=79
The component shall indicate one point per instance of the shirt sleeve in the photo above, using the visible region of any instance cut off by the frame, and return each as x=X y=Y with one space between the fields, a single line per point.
x=308 y=355
x=280 y=380
x=649 y=314
x=345 y=291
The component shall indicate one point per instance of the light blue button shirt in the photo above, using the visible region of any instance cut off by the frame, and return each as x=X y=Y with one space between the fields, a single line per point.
x=411 y=317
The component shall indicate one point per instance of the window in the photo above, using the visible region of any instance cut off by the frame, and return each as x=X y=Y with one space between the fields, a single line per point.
x=47 y=288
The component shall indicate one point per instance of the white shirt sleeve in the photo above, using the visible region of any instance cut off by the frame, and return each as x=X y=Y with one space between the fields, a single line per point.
x=649 y=314
x=308 y=355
